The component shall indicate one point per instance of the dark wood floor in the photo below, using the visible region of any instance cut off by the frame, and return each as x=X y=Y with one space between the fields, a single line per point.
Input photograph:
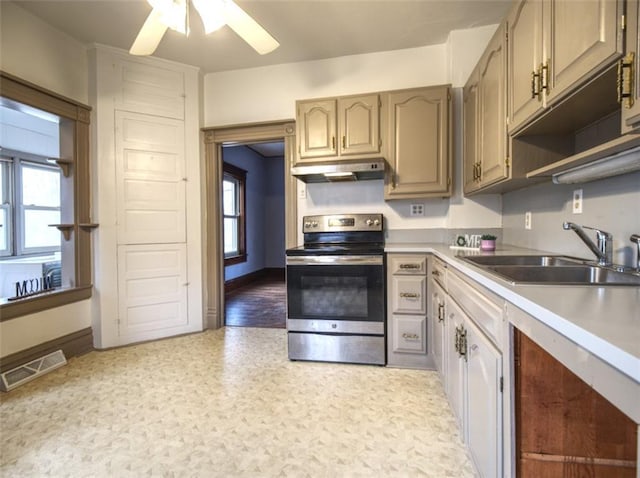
x=258 y=304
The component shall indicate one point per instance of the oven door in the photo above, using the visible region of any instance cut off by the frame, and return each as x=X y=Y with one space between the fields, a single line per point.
x=336 y=289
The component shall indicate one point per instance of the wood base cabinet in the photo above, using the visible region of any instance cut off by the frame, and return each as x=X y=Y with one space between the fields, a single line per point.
x=564 y=428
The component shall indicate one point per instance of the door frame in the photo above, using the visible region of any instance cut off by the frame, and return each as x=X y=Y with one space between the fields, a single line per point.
x=214 y=138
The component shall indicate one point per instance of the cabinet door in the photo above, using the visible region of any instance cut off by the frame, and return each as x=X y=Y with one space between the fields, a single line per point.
x=454 y=363
x=409 y=334
x=316 y=128
x=470 y=132
x=359 y=123
x=484 y=404
x=492 y=116
x=525 y=57
x=631 y=108
x=408 y=295
x=582 y=39
x=438 y=314
x=419 y=152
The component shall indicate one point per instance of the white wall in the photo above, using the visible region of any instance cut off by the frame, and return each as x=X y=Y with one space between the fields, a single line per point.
x=610 y=204
x=36 y=52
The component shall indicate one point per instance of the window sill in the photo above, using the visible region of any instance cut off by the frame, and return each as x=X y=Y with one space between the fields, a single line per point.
x=49 y=300
x=229 y=261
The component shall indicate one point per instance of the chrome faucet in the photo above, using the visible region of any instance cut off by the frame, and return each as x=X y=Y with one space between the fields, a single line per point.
x=603 y=250
x=636 y=238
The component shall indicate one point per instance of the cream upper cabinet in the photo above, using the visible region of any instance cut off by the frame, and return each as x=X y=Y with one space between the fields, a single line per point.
x=485 y=130
x=359 y=124
x=470 y=132
x=582 y=38
x=524 y=25
x=630 y=70
x=340 y=128
x=316 y=128
x=555 y=46
x=419 y=122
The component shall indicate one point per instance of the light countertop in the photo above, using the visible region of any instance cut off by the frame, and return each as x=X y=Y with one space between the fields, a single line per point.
x=605 y=320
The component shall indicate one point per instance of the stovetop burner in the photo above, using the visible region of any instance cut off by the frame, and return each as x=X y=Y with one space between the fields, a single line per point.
x=341 y=234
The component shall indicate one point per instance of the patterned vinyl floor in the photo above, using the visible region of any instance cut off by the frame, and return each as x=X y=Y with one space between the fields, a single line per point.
x=227 y=403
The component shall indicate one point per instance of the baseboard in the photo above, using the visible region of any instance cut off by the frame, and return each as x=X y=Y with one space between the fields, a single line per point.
x=73 y=345
x=238 y=282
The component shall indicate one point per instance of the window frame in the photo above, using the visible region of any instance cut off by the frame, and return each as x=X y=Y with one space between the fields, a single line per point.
x=239 y=175
x=74 y=118
x=16 y=161
x=6 y=204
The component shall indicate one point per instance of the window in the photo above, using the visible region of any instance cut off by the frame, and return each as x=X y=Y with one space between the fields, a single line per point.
x=30 y=202
x=35 y=125
x=233 y=199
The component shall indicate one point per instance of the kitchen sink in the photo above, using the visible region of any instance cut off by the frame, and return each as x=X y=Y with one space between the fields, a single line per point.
x=570 y=275
x=552 y=270
x=523 y=260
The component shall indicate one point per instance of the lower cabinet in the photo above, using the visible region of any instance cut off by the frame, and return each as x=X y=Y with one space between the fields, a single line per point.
x=407 y=329
x=473 y=386
x=472 y=367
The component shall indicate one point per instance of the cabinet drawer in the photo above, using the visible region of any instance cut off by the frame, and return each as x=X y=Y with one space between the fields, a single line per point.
x=484 y=307
x=439 y=272
x=409 y=265
x=408 y=295
x=409 y=334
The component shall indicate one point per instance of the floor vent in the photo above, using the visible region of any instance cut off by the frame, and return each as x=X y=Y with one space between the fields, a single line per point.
x=24 y=373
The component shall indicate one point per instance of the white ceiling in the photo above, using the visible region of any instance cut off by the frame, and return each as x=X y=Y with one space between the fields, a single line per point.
x=306 y=29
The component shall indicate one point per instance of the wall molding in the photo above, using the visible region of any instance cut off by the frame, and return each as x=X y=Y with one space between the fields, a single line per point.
x=73 y=345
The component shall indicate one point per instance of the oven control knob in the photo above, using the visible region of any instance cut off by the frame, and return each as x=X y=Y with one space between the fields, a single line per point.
x=369 y=222
x=314 y=224
x=376 y=222
x=307 y=224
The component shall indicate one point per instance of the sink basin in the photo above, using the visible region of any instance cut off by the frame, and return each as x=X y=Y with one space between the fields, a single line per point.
x=569 y=275
x=524 y=260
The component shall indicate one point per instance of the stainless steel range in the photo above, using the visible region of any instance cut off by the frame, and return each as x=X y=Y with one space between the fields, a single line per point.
x=336 y=290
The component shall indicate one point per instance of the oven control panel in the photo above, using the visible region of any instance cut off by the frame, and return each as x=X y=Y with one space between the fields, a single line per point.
x=342 y=222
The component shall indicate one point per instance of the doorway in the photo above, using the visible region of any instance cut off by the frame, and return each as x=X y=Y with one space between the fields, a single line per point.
x=253 y=211
x=215 y=139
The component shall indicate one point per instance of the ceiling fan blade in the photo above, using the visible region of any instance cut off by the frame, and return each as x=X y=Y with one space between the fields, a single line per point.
x=249 y=30
x=150 y=35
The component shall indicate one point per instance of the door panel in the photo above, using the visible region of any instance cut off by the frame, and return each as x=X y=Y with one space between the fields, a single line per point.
x=359 y=124
x=150 y=178
x=152 y=289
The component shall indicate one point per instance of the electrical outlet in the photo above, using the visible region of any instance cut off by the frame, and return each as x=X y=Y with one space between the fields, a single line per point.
x=527 y=220
x=577 y=201
x=417 y=210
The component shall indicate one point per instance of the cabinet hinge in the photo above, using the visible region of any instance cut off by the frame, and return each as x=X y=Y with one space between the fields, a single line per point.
x=506 y=162
x=379 y=102
x=379 y=142
x=501 y=384
x=448 y=181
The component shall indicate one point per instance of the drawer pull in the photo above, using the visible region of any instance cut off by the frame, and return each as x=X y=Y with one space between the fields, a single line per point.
x=409 y=295
x=440 y=312
x=435 y=273
x=410 y=266
x=410 y=336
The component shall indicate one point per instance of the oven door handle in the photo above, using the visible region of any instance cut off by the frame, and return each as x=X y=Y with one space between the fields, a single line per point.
x=334 y=260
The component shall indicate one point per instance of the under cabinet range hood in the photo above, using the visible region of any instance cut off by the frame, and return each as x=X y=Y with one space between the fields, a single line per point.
x=344 y=171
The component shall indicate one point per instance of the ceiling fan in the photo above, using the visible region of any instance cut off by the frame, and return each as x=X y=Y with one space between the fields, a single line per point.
x=174 y=14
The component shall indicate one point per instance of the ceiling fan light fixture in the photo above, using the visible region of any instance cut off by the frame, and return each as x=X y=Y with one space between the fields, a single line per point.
x=173 y=13
x=212 y=13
